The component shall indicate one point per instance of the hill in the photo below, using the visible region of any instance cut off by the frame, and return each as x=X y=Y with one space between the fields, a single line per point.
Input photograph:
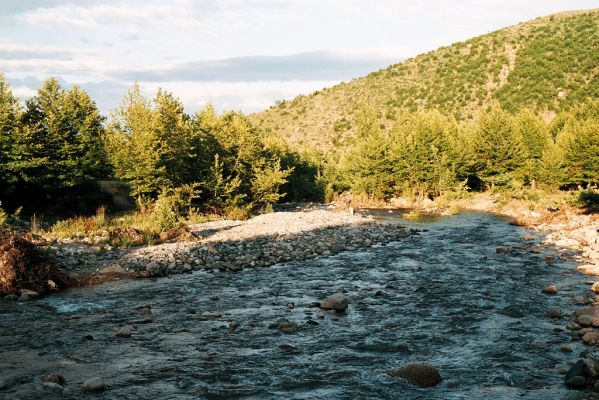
x=547 y=64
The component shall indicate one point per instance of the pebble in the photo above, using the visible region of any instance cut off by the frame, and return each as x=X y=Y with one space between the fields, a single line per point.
x=95 y=384
x=233 y=325
x=336 y=301
x=565 y=349
x=577 y=382
x=551 y=289
x=591 y=338
x=421 y=373
x=55 y=378
x=554 y=314
x=125 y=331
x=287 y=327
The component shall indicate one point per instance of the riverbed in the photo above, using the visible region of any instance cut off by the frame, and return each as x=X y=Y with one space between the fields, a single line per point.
x=444 y=296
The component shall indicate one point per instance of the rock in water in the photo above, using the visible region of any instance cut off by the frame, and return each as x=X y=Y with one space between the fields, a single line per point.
x=551 y=289
x=335 y=302
x=54 y=378
x=125 y=331
x=287 y=327
x=95 y=384
x=577 y=382
x=422 y=374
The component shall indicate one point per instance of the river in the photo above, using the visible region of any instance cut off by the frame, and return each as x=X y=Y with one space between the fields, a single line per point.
x=444 y=296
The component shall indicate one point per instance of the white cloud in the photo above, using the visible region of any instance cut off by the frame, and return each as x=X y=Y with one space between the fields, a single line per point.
x=244 y=96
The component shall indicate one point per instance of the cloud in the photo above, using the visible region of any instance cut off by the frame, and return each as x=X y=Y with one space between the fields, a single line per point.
x=306 y=66
x=244 y=96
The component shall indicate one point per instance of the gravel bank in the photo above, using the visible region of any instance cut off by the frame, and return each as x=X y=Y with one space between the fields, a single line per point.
x=233 y=245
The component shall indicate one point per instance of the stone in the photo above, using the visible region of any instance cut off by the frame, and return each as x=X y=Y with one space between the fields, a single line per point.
x=55 y=378
x=335 y=302
x=595 y=287
x=565 y=349
x=3 y=384
x=11 y=297
x=554 y=314
x=287 y=327
x=95 y=384
x=320 y=315
x=591 y=338
x=578 y=369
x=125 y=331
x=233 y=325
x=551 y=289
x=421 y=373
x=577 y=382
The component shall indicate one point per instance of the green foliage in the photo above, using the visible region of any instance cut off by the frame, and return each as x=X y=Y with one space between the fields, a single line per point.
x=60 y=144
x=3 y=218
x=546 y=65
x=499 y=151
x=166 y=210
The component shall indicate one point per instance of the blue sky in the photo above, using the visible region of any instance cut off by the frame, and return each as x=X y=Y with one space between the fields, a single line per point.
x=236 y=54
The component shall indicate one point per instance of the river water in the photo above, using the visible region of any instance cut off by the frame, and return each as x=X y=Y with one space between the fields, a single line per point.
x=444 y=296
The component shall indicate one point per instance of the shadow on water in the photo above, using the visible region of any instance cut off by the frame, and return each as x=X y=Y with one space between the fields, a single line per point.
x=444 y=296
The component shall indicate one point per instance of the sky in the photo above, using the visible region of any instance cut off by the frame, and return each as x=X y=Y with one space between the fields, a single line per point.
x=235 y=54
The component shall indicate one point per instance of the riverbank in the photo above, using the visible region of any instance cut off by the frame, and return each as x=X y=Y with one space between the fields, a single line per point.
x=229 y=246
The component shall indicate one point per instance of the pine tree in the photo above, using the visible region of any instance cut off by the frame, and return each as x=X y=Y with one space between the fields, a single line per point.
x=498 y=149
x=134 y=148
x=60 y=144
x=10 y=114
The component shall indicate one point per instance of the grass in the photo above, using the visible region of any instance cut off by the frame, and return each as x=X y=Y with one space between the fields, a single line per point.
x=130 y=229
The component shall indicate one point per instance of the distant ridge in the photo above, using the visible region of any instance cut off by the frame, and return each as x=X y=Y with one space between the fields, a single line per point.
x=546 y=64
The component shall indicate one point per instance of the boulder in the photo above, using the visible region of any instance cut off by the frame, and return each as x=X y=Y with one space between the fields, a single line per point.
x=95 y=384
x=577 y=382
x=337 y=302
x=54 y=378
x=551 y=289
x=421 y=373
x=125 y=331
x=287 y=327
x=591 y=338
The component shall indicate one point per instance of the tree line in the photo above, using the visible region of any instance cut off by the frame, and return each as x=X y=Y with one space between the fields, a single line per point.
x=57 y=146
x=428 y=154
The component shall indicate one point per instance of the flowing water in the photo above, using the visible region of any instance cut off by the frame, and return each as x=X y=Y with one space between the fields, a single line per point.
x=444 y=296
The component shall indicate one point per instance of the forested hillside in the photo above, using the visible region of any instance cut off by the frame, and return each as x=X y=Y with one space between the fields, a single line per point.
x=546 y=65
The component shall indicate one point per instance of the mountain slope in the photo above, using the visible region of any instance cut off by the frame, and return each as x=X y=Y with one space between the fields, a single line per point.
x=546 y=64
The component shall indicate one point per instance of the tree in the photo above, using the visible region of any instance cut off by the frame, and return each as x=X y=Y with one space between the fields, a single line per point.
x=423 y=163
x=61 y=141
x=536 y=139
x=579 y=142
x=134 y=148
x=498 y=149
x=10 y=114
x=367 y=168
